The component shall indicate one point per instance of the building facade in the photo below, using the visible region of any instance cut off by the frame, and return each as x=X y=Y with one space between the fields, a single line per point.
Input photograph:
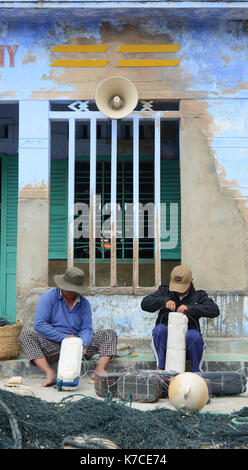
x=126 y=200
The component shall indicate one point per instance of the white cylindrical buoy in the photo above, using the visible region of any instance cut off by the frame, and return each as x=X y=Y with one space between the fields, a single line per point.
x=69 y=366
x=188 y=390
x=176 y=342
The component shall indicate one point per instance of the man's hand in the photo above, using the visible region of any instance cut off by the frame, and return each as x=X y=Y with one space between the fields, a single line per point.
x=171 y=305
x=84 y=346
x=182 y=309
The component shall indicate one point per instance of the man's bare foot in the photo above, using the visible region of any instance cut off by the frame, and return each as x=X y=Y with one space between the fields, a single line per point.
x=97 y=373
x=100 y=367
x=51 y=376
x=50 y=379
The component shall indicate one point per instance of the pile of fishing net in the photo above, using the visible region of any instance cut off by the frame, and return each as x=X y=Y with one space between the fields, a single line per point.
x=27 y=422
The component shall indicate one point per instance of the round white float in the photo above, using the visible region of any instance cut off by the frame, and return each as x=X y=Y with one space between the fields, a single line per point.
x=188 y=390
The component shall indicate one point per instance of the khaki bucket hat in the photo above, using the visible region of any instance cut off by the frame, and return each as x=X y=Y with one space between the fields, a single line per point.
x=180 y=278
x=72 y=280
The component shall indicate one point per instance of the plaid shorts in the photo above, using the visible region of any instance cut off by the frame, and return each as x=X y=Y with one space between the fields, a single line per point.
x=35 y=346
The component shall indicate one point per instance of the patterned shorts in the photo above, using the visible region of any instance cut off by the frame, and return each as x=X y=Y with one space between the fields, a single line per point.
x=35 y=346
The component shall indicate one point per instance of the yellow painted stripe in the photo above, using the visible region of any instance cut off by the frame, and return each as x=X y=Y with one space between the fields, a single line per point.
x=80 y=48
x=79 y=63
x=148 y=63
x=149 y=48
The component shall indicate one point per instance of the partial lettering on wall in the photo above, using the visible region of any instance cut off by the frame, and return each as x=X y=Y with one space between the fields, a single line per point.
x=7 y=55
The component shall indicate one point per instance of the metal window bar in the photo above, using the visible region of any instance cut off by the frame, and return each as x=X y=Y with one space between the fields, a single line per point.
x=92 y=218
x=71 y=192
x=93 y=117
x=136 y=201
x=157 y=200
x=113 y=269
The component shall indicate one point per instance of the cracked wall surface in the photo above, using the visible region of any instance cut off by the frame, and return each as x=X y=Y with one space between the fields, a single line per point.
x=211 y=82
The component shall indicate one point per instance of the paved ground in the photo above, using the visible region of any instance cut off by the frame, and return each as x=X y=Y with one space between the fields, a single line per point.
x=32 y=379
x=32 y=385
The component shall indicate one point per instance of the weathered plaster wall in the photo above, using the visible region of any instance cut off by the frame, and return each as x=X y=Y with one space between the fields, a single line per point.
x=124 y=314
x=212 y=54
x=33 y=205
x=211 y=82
x=213 y=194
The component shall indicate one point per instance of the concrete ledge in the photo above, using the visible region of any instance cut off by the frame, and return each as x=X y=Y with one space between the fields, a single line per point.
x=221 y=354
x=22 y=367
x=228 y=345
x=232 y=346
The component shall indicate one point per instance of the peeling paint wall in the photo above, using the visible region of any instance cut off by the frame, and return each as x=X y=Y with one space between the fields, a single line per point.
x=211 y=82
x=33 y=202
x=213 y=61
x=131 y=320
x=214 y=216
x=124 y=314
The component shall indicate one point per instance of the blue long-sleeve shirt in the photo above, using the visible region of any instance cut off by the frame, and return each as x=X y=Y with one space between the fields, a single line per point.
x=54 y=320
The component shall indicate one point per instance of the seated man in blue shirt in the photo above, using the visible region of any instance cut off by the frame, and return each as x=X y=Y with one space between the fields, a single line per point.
x=63 y=312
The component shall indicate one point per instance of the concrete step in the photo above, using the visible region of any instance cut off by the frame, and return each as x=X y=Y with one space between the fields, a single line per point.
x=221 y=354
x=233 y=346
x=22 y=367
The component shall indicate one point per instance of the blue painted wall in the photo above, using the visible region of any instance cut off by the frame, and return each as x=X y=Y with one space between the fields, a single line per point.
x=213 y=55
x=212 y=72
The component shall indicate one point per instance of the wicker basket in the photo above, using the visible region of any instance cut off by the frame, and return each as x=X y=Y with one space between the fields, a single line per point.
x=9 y=345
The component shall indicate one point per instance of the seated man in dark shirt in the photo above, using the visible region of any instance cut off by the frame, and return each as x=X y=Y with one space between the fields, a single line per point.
x=180 y=296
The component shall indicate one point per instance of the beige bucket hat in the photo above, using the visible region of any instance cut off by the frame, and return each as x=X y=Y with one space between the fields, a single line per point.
x=72 y=280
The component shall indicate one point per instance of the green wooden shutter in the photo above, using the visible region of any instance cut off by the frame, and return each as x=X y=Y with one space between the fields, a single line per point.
x=58 y=210
x=9 y=203
x=170 y=193
x=82 y=195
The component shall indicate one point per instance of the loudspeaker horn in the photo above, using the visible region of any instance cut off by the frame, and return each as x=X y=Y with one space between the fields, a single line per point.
x=116 y=97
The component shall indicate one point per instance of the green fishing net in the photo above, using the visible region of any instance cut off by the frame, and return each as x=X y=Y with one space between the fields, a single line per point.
x=27 y=422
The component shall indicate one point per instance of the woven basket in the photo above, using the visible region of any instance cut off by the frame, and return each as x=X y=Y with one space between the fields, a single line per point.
x=9 y=345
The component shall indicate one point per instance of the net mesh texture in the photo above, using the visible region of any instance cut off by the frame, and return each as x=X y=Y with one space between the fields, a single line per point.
x=27 y=422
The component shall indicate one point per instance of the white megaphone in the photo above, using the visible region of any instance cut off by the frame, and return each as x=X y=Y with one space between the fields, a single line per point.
x=116 y=97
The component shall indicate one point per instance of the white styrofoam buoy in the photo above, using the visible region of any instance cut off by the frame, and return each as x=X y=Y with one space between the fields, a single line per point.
x=69 y=366
x=188 y=390
x=176 y=342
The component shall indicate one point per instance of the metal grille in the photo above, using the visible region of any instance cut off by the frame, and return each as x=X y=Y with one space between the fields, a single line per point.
x=117 y=179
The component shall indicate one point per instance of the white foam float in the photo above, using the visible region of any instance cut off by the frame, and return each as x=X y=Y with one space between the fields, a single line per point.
x=188 y=390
